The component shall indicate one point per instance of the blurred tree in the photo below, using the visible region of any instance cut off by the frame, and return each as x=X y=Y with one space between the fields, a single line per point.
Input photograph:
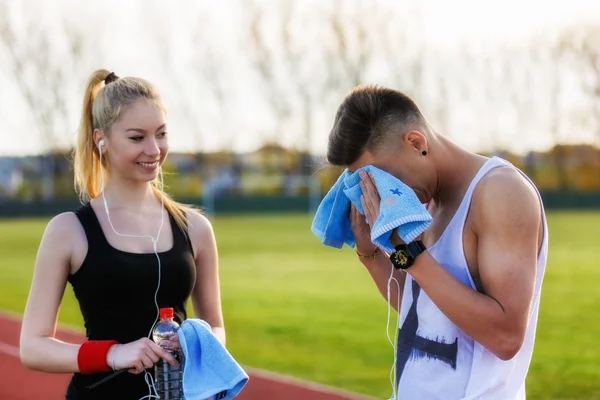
x=187 y=83
x=559 y=154
x=583 y=42
x=354 y=42
x=404 y=50
x=43 y=62
x=301 y=56
x=521 y=66
x=179 y=82
x=581 y=47
x=262 y=51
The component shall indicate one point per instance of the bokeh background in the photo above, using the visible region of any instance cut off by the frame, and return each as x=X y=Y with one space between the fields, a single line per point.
x=251 y=89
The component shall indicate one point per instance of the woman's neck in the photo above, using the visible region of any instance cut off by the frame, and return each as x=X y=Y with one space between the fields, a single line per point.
x=131 y=198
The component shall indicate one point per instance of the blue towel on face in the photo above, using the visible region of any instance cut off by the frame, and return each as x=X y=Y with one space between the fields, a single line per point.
x=399 y=208
x=332 y=222
x=208 y=368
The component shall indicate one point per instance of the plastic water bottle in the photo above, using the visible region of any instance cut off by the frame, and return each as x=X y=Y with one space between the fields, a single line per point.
x=166 y=376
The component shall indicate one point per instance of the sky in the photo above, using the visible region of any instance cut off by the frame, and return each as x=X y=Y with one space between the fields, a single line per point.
x=129 y=50
x=505 y=20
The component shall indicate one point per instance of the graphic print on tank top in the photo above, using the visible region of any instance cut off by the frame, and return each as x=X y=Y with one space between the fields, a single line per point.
x=412 y=345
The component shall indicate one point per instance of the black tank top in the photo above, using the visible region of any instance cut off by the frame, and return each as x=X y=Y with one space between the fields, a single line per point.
x=115 y=291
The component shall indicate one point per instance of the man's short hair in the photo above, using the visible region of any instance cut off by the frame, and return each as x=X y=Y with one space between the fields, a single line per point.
x=365 y=119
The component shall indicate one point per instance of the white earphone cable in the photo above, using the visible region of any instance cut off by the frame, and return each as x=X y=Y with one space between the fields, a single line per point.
x=387 y=330
x=148 y=377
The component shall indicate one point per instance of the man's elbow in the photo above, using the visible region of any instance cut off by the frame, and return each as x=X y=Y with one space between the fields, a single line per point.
x=507 y=353
x=509 y=346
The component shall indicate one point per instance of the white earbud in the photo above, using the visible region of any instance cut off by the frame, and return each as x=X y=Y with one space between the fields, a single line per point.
x=100 y=144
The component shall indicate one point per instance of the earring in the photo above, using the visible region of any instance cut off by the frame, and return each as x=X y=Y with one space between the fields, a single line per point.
x=424 y=152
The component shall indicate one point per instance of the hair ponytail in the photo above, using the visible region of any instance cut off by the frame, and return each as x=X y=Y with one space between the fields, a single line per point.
x=86 y=165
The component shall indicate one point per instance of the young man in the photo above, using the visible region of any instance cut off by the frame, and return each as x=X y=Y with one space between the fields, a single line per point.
x=470 y=285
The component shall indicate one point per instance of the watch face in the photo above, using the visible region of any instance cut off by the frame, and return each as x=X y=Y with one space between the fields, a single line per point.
x=401 y=257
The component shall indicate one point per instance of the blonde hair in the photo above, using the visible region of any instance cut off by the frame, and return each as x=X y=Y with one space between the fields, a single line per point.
x=103 y=105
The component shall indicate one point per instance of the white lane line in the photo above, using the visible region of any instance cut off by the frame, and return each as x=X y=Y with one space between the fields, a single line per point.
x=10 y=350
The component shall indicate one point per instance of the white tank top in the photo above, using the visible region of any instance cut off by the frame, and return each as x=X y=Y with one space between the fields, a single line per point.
x=437 y=360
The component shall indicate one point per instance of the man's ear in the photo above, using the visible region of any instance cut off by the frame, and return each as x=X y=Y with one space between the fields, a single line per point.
x=417 y=141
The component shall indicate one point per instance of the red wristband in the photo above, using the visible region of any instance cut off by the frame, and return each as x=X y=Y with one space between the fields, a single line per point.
x=92 y=356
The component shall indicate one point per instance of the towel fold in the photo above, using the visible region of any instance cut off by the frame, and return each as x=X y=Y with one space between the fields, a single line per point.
x=208 y=368
x=399 y=208
x=332 y=222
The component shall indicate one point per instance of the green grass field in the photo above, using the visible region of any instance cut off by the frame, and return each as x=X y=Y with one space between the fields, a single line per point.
x=296 y=307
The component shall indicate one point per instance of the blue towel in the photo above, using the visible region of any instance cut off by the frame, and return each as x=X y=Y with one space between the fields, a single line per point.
x=208 y=368
x=332 y=222
x=399 y=208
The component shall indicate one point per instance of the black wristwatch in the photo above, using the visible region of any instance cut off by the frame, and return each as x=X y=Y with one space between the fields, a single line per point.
x=405 y=254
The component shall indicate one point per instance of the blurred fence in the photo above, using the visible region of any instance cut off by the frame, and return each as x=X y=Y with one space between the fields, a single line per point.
x=571 y=200
x=248 y=204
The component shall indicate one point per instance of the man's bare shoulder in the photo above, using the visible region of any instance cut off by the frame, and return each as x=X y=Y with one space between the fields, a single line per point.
x=504 y=193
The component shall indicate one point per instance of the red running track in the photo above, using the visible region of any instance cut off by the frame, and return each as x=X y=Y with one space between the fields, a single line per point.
x=19 y=383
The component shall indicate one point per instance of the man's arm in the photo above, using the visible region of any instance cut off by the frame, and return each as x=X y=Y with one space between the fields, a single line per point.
x=379 y=267
x=380 y=270
x=506 y=220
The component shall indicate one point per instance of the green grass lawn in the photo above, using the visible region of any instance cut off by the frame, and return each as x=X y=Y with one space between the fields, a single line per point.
x=296 y=307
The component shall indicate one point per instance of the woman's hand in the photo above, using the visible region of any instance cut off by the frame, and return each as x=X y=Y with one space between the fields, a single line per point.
x=138 y=356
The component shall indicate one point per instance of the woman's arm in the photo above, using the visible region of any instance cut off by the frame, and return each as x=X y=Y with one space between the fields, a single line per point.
x=40 y=350
x=206 y=297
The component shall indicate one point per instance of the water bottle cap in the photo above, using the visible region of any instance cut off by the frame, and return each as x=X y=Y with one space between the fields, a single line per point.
x=166 y=313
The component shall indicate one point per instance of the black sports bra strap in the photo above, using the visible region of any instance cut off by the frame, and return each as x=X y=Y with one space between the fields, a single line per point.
x=181 y=238
x=91 y=225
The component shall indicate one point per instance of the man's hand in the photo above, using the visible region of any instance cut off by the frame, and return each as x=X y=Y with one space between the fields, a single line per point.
x=370 y=199
x=362 y=233
x=380 y=267
x=361 y=224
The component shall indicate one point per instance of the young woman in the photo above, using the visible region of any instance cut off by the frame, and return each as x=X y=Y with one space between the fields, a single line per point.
x=127 y=251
